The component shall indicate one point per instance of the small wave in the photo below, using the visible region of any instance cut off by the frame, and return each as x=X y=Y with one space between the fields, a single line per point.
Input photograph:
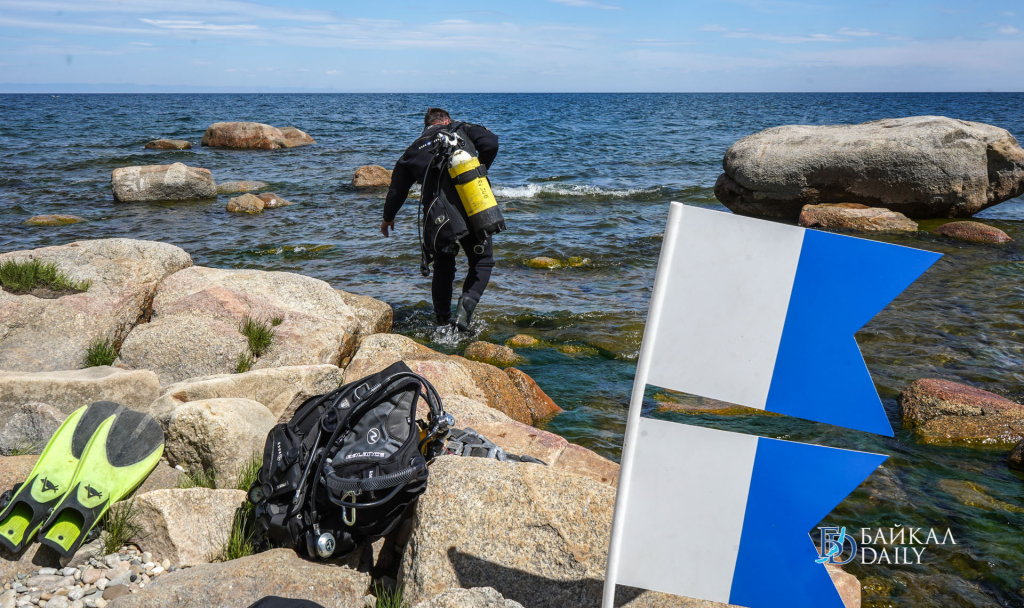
x=534 y=190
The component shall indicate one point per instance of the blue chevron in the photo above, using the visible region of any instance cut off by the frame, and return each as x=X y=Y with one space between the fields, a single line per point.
x=793 y=486
x=841 y=283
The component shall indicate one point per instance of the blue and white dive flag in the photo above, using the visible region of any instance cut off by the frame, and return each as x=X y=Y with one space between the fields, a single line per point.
x=762 y=315
x=725 y=516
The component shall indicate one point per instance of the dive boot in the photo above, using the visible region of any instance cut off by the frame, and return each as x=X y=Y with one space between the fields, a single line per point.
x=124 y=450
x=464 y=312
x=51 y=478
x=443 y=318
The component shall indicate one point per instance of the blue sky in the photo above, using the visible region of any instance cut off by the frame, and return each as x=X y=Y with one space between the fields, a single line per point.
x=535 y=45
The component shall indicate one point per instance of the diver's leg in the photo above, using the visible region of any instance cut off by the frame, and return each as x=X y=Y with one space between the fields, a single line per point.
x=481 y=263
x=441 y=288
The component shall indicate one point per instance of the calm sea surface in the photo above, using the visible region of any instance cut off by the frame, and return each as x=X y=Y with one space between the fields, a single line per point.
x=577 y=175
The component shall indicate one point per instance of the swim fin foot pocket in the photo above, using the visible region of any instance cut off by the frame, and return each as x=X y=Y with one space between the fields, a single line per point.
x=122 y=452
x=51 y=477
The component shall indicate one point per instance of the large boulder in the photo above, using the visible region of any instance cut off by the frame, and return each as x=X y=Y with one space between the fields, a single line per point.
x=27 y=428
x=973 y=232
x=537 y=536
x=15 y=469
x=241 y=582
x=253 y=135
x=217 y=436
x=38 y=334
x=371 y=176
x=194 y=329
x=176 y=182
x=279 y=389
x=70 y=390
x=540 y=405
x=921 y=166
x=940 y=411
x=187 y=527
x=853 y=216
x=477 y=597
x=375 y=316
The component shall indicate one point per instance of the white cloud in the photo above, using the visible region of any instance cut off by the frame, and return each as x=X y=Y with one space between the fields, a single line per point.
x=588 y=4
x=1007 y=30
x=660 y=42
x=857 y=33
x=332 y=72
x=771 y=37
x=182 y=24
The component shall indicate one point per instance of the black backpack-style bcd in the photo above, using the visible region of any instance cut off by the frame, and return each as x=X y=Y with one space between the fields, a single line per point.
x=348 y=463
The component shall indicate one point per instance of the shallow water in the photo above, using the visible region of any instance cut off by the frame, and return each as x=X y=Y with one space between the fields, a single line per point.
x=577 y=175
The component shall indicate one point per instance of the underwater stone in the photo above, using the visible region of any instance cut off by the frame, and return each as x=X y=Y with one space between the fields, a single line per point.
x=973 y=232
x=371 y=176
x=940 y=411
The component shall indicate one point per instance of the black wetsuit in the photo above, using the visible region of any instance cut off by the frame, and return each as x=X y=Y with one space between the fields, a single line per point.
x=409 y=170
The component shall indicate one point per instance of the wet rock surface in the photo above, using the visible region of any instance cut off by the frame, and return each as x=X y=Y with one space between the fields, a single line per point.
x=371 y=176
x=168 y=144
x=253 y=135
x=973 y=232
x=855 y=217
x=941 y=411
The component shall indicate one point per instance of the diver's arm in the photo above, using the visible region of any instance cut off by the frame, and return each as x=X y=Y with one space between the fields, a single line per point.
x=402 y=180
x=486 y=143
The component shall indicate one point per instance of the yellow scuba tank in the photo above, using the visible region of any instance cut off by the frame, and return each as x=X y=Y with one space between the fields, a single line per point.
x=470 y=178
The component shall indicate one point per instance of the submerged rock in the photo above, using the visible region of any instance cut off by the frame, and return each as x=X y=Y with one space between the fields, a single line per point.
x=241 y=582
x=253 y=135
x=522 y=340
x=217 y=436
x=168 y=144
x=53 y=220
x=973 y=232
x=495 y=354
x=69 y=390
x=272 y=201
x=920 y=166
x=246 y=203
x=176 y=182
x=1016 y=459
x=240 y=186
x=27 y=428
x=279 y=389
x=187 y=527
x=194 y=329
x=543 y=262
x=371 y=176
x=940 y=411
x=853 y=216
x=38 y=334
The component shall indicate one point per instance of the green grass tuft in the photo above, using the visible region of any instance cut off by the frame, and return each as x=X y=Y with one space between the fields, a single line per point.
x=258 y=332
x=247 y=474
x=120 y=526
x=22 y=276
x=389 y=598
x=23 y=448
x=276 y=321
x=101 y=352
x=244 y=364
x=197 y=478
x=241 y=540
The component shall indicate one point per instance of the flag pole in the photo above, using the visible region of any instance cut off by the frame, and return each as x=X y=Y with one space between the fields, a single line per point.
x=643 y=364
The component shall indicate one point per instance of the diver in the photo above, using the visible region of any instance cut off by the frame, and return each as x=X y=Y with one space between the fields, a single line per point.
x=450 y=161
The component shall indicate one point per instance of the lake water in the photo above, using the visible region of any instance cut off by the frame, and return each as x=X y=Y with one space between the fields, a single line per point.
x=577 y=175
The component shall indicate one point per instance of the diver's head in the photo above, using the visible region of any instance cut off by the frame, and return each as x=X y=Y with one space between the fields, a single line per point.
x=437 y=116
